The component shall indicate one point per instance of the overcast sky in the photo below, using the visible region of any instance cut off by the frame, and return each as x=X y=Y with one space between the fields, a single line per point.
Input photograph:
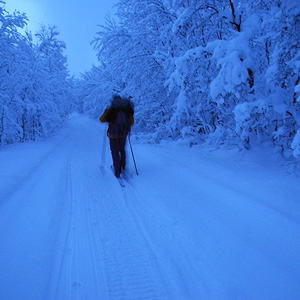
x=76 y=20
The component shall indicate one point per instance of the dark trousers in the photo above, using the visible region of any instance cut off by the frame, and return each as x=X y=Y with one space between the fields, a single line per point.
x=117 y=148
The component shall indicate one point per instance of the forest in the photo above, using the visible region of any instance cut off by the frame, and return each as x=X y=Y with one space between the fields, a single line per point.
x=223 y=72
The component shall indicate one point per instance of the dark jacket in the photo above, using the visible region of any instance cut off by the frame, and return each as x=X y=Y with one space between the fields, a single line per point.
x=110 y=113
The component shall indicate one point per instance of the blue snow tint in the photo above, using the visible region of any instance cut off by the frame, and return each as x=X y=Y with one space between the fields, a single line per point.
x=195 y=224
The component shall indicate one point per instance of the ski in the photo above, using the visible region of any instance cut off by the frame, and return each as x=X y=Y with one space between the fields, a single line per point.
x=120 y=180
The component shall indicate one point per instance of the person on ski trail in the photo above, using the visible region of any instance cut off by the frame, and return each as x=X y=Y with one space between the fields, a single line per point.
x=119 y=116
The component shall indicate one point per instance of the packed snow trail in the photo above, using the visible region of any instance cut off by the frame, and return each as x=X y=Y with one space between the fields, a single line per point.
x=194 y=225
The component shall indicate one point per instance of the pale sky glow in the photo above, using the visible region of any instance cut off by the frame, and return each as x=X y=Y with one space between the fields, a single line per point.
x=76 y=20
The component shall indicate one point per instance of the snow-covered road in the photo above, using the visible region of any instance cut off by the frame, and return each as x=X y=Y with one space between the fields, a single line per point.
x=193 y=225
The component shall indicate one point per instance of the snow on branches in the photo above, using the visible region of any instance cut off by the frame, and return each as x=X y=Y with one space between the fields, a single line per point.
x=34 y=87
x=226 y=71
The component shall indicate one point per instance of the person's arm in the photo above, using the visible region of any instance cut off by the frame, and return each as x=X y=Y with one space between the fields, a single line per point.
x=131 y=120
x=103 y=118
x=130 y=114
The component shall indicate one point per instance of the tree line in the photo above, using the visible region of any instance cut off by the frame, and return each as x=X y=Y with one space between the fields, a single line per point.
x=35 y=88
x=221 y=71
x=218 y=71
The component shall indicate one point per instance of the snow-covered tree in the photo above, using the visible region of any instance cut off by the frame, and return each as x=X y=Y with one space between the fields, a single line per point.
x=34 y=84
x=225 y=71
x=130 y=53
x=10 y=40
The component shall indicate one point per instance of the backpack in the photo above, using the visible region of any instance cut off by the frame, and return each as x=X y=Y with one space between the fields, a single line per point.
x=120 y=126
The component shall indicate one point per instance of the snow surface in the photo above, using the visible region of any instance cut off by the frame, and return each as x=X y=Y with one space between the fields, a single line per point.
x=195 y=224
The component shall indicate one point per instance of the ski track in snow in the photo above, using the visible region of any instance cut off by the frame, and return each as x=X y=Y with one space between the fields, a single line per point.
x=189 y=227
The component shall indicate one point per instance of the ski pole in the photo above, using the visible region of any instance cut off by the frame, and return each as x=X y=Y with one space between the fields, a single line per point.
x=132 y=155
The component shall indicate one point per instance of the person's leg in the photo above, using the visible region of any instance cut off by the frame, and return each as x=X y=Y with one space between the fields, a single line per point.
x=123 y=153
x=114 y=148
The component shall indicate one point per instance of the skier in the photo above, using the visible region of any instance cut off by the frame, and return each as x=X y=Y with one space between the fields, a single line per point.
x=120 y=118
